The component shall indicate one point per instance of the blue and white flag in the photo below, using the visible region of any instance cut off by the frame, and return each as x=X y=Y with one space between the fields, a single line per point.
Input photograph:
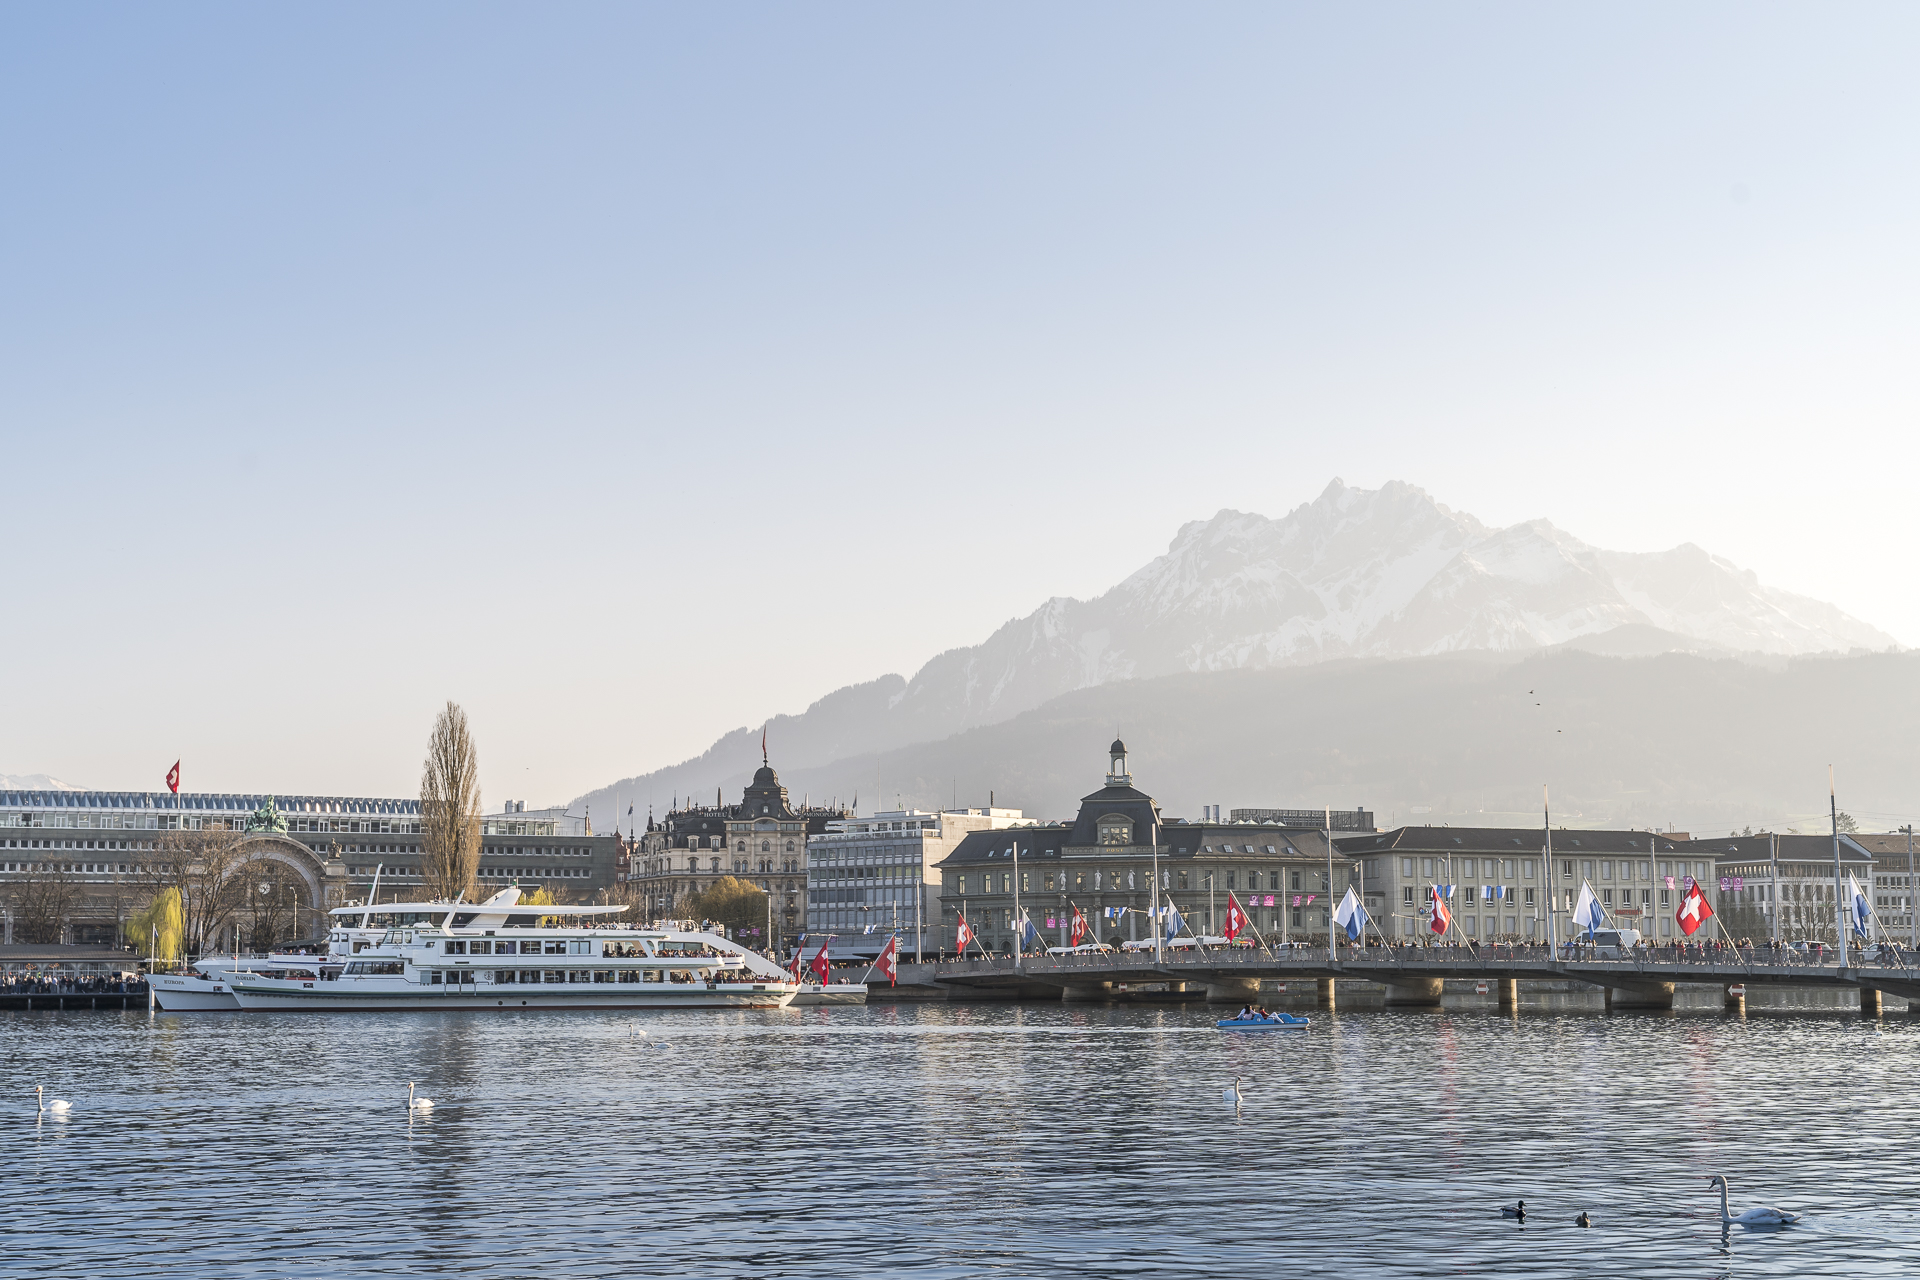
x=1587 y=912
x=869 y=929
x=1350 y=915
x=1862 y=909
x=1490 y=893
x=1446 y=891
x=1174 y=922
x=1029 y=936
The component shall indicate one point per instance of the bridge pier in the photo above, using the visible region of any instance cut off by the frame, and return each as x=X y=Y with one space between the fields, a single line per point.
x=1652 y=995
x=1233 y=991
x=1086 y=991
x=1736 y=1003
x=1509 y=993
x=1871 y=1003
x=1325 y=992
x=1413 y=991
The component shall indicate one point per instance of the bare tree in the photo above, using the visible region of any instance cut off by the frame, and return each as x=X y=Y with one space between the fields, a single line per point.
x=42 y=902
x=274 y=896
x=202 y=865
x=450 y=808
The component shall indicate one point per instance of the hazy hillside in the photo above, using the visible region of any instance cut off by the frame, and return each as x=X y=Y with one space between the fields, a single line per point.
x=1683 y=740
x=1382 y=573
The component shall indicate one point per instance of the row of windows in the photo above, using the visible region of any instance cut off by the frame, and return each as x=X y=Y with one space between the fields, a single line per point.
x=76 y=844
x=1107 y=880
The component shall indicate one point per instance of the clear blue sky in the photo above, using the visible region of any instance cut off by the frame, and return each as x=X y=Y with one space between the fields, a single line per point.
x=604 y=367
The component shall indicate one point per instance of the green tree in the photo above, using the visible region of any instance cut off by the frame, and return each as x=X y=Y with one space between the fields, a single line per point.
x=728 y=901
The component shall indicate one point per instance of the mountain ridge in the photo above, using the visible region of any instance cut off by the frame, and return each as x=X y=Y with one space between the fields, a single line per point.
x=1386 y=573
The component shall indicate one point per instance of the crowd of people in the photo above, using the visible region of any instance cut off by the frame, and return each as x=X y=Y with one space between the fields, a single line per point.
x=41 y=983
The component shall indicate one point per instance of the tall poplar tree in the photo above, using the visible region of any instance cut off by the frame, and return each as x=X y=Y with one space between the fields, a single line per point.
x=450 y=808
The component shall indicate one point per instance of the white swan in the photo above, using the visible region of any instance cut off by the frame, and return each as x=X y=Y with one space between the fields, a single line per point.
x=1752 y=1217
x=417 y=1104
x=59 y=1106
x=1233 y=1094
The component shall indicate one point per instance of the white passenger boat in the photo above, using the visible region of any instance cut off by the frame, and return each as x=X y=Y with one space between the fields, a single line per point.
x=206 y=987
x=831 y=993
x=498 y=954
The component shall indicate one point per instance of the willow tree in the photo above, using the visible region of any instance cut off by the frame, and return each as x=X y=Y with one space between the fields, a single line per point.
x=450 y=808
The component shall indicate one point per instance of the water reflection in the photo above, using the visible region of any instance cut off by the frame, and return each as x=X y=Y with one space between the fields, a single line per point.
x=951 y=1140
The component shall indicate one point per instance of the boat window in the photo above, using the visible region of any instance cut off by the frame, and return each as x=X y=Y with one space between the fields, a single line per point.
x=479 y=947
x=629 y=975
x=503 y=948
x=456 y=948
x=556 y=946
x=580 y=947
x=555 y=975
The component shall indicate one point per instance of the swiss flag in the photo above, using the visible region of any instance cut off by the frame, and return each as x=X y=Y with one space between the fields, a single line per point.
x=1079 y=928
x=819 y=965
x=1694 y=910
x=1236 y=918
x=889 y=961
x=962 y=936
x=1441 y=916
x=173 y=778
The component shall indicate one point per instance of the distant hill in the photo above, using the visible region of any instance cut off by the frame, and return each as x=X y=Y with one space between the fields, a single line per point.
x=1676 y=740
x=1356 y=574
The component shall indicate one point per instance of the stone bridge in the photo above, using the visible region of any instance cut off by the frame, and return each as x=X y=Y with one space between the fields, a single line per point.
x=1411 y=976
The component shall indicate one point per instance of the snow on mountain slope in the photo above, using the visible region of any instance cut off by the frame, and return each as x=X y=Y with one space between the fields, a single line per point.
x=1363 y=573
x=1387 y=572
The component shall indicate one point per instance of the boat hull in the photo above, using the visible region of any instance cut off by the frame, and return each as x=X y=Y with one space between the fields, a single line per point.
x=1235 y=1024
x=833 y=993
x=365 y=997
x=175 y=994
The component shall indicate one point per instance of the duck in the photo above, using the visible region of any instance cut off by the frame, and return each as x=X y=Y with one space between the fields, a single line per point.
x=1516 y=1210
x=1753 y=1217
x=1583 y=1220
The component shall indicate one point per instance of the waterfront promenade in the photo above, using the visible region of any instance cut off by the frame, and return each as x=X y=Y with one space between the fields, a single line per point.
x=1411 y=975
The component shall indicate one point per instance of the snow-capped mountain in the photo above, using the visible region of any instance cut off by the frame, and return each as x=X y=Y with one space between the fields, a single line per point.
x=1384 y=572
x=1356 y=573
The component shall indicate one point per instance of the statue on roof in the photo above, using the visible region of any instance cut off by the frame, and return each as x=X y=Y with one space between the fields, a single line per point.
x=267 y=818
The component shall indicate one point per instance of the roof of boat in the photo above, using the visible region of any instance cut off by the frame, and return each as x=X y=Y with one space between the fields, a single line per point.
x=504 y=903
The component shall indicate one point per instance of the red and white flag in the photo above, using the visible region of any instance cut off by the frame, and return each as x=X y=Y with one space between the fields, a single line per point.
x=889 y=961
x=1694 y=910
x=173 y=778
x=1441 y=916
x=1079 y=928
x=963 y=936
x=1236 y=918
x=819 y=965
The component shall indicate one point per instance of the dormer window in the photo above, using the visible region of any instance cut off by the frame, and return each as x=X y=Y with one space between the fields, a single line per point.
x=1116 y=831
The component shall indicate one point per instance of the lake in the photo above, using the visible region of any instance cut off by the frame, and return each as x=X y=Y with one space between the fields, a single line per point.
x=955 y=1140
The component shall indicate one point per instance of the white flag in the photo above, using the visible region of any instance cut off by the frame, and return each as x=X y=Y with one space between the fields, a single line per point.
x=1587 y=910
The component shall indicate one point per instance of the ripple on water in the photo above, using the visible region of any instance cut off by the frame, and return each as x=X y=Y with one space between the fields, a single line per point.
x=952 y=1140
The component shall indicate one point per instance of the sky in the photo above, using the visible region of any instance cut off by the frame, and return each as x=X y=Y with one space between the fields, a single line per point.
x=629 y=373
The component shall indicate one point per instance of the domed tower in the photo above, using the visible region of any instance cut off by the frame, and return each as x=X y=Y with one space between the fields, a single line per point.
x=1117 y=775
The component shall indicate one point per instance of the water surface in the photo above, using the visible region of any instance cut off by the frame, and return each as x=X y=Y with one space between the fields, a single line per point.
x=962 y=1140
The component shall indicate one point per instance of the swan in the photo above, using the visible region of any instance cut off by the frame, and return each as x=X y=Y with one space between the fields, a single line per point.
x=59 y=1106
x=1583 y=1220
x=1518 y=1209
x=1233 y=1094
x=417 y=1104
x=1752 y=1217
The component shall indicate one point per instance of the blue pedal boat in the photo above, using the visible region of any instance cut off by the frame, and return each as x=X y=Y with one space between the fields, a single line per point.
x=1278 y=1022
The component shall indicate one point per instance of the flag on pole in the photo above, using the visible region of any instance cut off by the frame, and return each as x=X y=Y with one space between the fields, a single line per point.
x=869 y=929
x=1029 y=936
x=1174 y=922
x=820 y=961
x=1441 y=916
x=1587 y=912
x=1694 y=910
x=1350 y=915
x=889 y=961
x=1079 y=929
x=1236 y=918
x=173 y=778
x=962 y=936
x=1862 y=909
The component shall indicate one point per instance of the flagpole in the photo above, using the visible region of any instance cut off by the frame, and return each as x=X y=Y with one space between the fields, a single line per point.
x=1553 y=890
x=1019 y=931
x=1153 y=914
x=1329 y=835
x=1840 y=908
